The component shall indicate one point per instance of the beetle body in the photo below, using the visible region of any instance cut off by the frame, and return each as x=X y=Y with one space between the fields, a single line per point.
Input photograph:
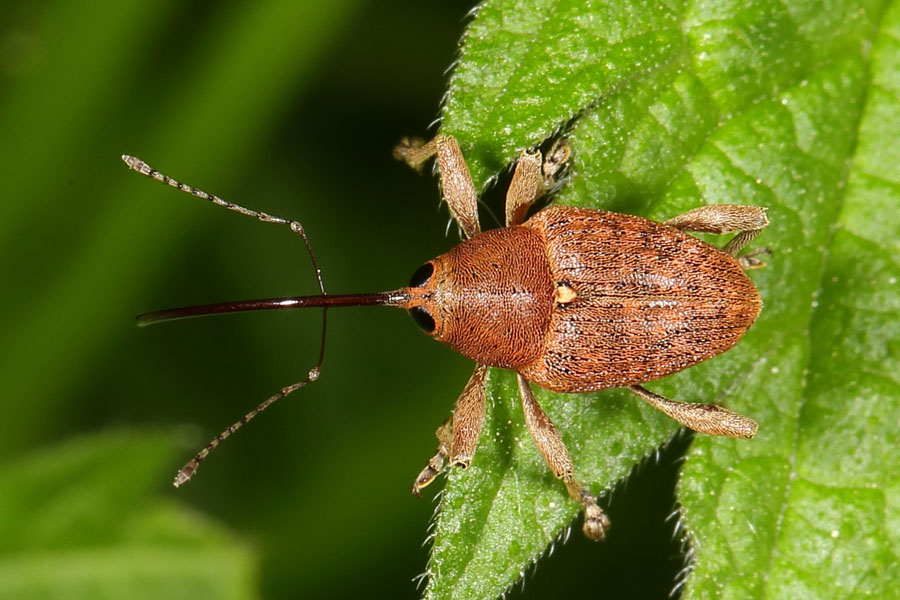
x=572 y=299
x=578 y=300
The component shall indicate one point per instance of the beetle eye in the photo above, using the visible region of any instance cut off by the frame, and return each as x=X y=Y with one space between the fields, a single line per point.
x=422 y=275
x=422 y=318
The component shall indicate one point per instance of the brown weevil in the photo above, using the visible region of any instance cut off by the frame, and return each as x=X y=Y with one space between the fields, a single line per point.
x=571 y=299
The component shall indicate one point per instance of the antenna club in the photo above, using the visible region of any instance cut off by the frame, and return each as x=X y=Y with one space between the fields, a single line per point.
x=136 y=164
x=185 y=474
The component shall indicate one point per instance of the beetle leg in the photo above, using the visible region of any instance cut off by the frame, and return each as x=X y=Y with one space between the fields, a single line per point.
x=458 y=188
x=468 y=419
x=747 y=221
x=547 y=439
x=533 y=176
x=705 y=418
x=527 y=185
x=458 y=435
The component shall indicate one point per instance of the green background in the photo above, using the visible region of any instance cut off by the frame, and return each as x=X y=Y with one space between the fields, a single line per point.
x=292 y=108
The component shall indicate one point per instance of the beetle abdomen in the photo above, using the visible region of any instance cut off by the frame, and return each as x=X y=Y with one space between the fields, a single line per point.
x=648 y=300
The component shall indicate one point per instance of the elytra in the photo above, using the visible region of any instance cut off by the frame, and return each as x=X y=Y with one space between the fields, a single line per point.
x=578 y=300
x=571 y=299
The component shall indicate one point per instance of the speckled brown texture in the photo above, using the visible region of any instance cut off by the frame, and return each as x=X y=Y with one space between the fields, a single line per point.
x=492 y=297
x=650 y=300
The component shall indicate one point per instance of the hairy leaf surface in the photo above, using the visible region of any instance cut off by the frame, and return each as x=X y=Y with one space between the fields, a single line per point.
x=669 y=105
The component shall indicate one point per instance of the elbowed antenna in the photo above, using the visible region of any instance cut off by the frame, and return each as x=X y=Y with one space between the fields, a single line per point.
x=398 y=298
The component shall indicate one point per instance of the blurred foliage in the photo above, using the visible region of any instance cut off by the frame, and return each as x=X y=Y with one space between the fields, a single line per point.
x=293 y=108
x=78 y=521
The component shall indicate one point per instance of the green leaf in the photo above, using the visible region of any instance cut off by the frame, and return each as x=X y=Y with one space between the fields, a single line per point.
x=75 y=523
x=813 y=511
x=793 y=106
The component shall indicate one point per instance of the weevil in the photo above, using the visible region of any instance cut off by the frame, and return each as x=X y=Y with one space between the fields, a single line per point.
x=571 y=299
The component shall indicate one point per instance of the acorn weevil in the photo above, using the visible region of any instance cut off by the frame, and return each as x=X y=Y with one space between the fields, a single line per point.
x=571 y=299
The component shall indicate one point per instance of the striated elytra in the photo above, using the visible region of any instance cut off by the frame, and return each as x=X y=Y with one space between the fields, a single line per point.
x=643 y=300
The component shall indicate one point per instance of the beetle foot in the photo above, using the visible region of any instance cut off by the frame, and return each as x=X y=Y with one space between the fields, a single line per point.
x=596 y=523
x=411 y=150
x=751 y=260
x=428 y=474
x=555 y=161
